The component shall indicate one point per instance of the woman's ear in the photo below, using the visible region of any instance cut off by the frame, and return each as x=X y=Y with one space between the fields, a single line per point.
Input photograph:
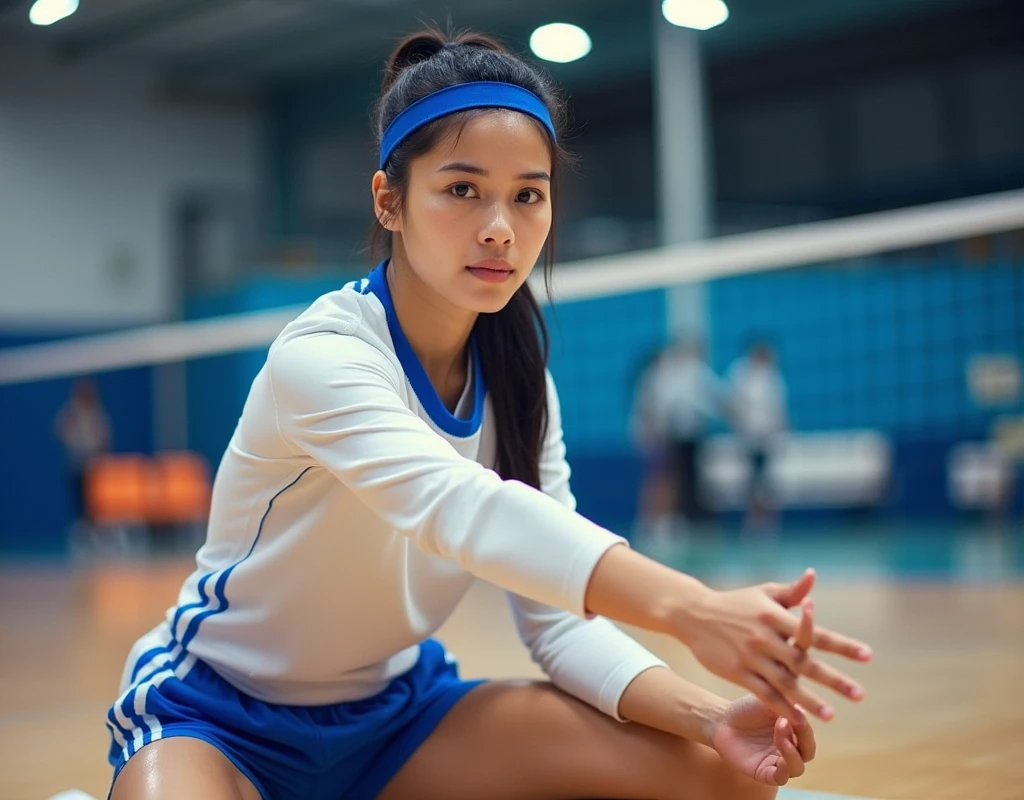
x=384 y=202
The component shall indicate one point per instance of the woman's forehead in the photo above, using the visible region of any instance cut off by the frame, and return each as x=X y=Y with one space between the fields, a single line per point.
x=497 y=140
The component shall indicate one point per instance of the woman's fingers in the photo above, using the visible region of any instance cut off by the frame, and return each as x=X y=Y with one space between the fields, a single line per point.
x=800 y=662
x=785 y=657
x=805 y=742
x=783 y=741
x=813 y=668
x=790 y=594
x=768 y=695
x=805 y=633
x=831 y=642
x=787 y=684
x=827 y=675
x=789 y=627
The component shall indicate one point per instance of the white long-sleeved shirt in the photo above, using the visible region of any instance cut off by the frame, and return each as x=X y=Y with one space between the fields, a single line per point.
x=352 y=511
x=758 y=396
x=686 y=395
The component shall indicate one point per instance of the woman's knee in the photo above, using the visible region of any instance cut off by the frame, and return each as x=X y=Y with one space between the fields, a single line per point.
x=181 y=767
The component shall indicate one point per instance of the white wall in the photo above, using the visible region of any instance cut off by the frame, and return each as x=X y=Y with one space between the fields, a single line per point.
x=90 y=164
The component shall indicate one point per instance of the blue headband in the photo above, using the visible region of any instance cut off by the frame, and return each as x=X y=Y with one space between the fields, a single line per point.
x=461 y=97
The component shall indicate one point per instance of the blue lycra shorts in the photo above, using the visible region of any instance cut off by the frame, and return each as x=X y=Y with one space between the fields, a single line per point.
x=346 y=750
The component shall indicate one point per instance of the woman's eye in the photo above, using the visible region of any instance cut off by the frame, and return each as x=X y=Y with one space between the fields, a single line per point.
x=463 y=190
x=529 y=196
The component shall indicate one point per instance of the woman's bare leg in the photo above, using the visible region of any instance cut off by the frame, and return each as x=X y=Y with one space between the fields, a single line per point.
x=181 y=767
x=530 y=740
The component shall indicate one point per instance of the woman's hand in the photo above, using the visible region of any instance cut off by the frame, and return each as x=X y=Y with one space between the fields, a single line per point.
x=761 y=744
x=747 y=637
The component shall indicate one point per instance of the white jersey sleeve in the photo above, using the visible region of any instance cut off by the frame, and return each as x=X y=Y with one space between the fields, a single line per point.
x=337 y=400
x=592 y=660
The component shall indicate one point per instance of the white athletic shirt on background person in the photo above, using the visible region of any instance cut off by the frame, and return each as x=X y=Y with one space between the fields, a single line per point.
x=352 y=512
x=758 y=400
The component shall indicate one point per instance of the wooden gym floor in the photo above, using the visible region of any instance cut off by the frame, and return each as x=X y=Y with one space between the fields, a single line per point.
x=943 y=718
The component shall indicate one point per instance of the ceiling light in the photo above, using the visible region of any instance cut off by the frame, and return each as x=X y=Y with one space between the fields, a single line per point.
x=47 y=12
x=560 y=42
x=697 y=14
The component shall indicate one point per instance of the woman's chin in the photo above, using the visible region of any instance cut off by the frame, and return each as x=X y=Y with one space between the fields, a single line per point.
x=491 y=305
x=488 y=299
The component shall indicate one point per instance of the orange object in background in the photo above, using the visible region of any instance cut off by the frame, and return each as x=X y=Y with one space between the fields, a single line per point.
x=117 y=490
x=183 y=488
x=171 y=487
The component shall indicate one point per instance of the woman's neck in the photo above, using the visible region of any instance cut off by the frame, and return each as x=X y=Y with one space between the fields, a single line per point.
x=437 y=331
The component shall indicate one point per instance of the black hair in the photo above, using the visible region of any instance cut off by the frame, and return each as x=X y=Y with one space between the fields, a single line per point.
x=513 y=342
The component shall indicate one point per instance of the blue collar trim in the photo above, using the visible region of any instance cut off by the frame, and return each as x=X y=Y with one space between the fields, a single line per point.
x=425 y=392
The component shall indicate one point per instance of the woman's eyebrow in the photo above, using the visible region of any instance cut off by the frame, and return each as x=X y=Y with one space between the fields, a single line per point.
x=472 y=169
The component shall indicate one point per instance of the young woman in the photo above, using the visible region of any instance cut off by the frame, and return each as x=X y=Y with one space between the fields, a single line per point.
x=402 y=440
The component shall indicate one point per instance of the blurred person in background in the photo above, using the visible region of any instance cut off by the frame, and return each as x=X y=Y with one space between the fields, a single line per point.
x=403 y=440
x=83 y=427
x=757 y=410
x=656 y=506
x=690 y=397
